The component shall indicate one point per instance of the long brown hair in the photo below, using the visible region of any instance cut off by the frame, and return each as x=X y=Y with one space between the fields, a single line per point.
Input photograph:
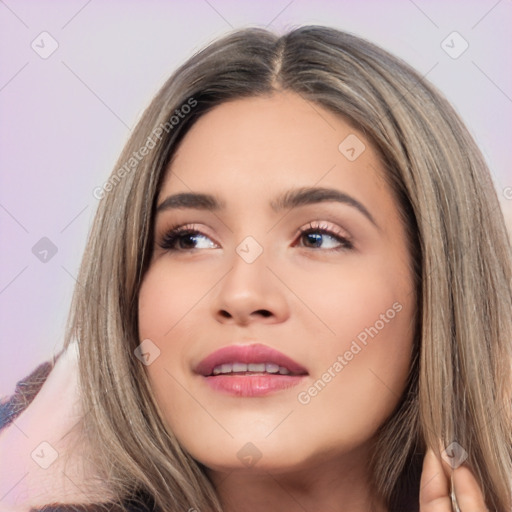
x=460 y=385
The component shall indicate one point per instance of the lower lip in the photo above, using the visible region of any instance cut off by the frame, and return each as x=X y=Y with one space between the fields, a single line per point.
x=252 y=385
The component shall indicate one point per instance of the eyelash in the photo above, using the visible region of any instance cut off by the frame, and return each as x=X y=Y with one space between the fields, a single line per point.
x=174 y=234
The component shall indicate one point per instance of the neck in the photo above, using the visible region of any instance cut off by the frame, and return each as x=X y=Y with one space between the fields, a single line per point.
x=335 y=486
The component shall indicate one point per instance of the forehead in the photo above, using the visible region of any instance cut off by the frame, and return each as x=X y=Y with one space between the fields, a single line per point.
x=254 y=146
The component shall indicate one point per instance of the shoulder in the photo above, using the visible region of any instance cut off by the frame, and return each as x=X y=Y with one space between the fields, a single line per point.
x=45 y=462
x=125 y=507
x=131 y=506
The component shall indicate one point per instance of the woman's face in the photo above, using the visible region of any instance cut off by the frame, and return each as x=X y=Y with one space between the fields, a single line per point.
x=281 y=319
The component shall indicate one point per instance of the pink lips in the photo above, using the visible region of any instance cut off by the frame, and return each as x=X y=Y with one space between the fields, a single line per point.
x=250 y=383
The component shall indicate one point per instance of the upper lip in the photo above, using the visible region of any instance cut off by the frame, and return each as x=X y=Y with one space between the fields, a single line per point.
x=254 y=353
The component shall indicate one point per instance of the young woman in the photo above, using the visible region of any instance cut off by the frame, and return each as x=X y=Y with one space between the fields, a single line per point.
x=296 y=295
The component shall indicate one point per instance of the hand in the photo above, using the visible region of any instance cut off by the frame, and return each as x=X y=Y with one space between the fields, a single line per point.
x=435 y=487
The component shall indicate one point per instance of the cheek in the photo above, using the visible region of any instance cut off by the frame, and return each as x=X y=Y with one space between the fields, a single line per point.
x=355 y=297
x=169 y=302
x=167 y=297
x=367 y=310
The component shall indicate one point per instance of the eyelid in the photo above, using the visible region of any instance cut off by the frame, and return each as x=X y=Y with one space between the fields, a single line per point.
x=321 y=225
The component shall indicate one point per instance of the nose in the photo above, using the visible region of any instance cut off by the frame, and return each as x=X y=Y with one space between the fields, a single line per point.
x=250 y=293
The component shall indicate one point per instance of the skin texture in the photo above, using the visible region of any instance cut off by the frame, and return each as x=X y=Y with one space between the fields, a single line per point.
x=308 y=302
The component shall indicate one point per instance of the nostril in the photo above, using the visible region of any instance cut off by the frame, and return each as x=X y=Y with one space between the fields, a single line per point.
x=264 y=312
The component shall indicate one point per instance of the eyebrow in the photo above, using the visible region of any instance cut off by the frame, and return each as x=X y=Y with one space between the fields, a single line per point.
x=289 y=200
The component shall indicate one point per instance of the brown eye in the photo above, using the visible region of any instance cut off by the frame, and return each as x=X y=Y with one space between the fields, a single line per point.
x=184 y=238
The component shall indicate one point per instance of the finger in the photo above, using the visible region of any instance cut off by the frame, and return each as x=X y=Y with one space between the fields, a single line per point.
x=434 y=486
x=467 y=491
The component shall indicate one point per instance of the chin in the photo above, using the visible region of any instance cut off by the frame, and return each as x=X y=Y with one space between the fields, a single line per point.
x=260 y=456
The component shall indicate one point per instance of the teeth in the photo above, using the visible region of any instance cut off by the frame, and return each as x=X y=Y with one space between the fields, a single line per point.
x=272 y=368
x=251 y=367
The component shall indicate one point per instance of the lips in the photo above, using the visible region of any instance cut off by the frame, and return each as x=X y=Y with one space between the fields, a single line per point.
x=250 y=370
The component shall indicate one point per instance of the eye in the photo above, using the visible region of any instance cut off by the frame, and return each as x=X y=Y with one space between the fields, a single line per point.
x=185 y=238
x=318 y=236
x=314 y=236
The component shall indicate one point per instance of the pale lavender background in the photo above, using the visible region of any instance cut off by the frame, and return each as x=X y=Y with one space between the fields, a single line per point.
x=65 y=119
